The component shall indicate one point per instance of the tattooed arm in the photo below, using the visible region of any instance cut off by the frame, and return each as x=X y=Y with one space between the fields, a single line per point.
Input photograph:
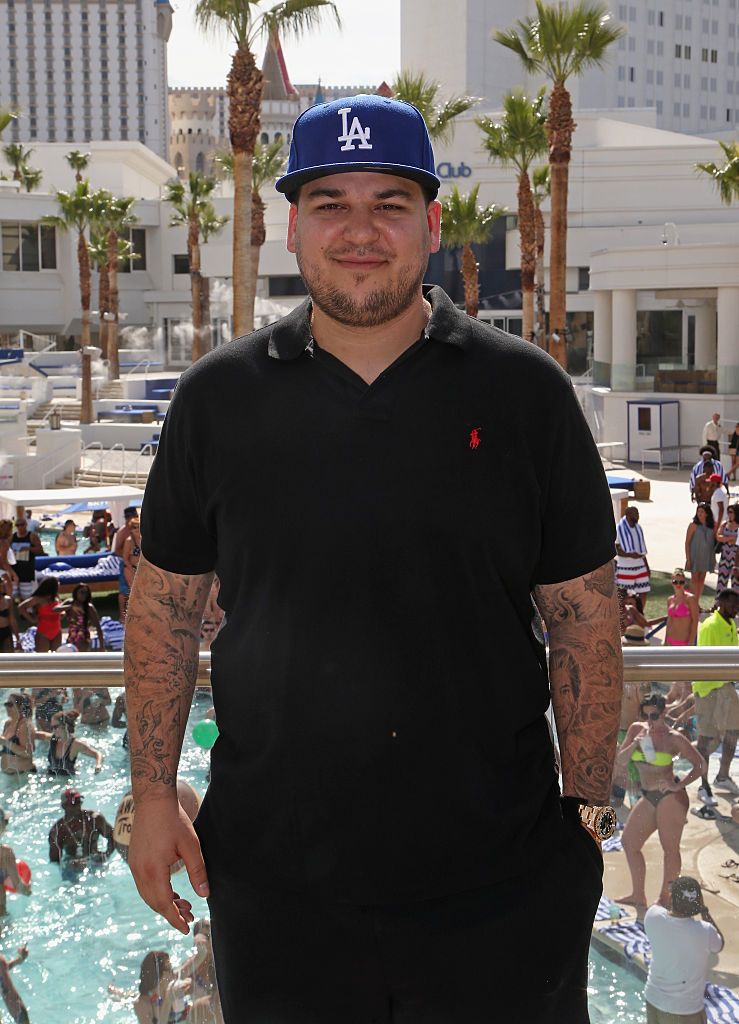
x=586 y=678
x=160 y=667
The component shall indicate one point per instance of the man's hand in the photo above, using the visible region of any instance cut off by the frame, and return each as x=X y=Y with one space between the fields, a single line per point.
x=162 y=835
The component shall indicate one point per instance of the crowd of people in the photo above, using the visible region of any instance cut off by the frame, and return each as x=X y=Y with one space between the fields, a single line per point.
x=46 y=719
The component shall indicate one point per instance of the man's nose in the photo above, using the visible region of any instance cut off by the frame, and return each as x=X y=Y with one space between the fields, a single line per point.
x=360 y=228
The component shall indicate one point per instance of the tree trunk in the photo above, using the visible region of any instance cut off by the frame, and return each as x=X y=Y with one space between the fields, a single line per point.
x=527 y=238
x=258 y=238
x=245 y=97
x=471 y=284
x=113 y=304
x=104 y=307
x=83 y=258
x=560 y=127
x=193 y=255
x=541 y=316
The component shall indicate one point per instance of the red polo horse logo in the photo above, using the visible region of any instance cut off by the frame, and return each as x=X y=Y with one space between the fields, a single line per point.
x=475 y=438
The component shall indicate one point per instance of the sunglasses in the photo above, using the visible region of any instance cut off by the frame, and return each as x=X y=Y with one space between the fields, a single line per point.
x=679 y=582
x=651 y=715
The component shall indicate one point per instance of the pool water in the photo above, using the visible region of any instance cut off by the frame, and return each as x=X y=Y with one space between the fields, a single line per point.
x=86 y=932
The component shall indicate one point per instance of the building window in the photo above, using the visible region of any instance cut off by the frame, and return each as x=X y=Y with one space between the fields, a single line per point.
x=713 y=85
x=728 y=114
x=704 y=113
x=650 y=17
x=650 y=46
x=650 y=76
x=686 y=81
x=686 y=110
x=678 y=21
x=137 y=238
x=714 y=56
x=677 y=81
x=678 y=50
x=711 y=113
x=687 y=52
x=621 y=78
x=658 y=107
x=28 y=247
x=660 y=48
x=632 y=75
x=688 y=23
x=676 y=109
x=704 y=26
x=661 y=19
x=660 y=77
x=704 y=53
x=180 y=264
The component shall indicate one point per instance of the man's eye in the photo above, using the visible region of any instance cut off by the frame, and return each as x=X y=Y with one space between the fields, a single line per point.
x=390 y=206
x=330 y=206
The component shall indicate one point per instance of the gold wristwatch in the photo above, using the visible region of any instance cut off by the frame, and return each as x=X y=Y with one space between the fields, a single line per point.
x=601 y=821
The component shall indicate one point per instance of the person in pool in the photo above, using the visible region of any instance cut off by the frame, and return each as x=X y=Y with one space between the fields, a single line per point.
x=13 y=1002
x=682 y=614
x=202 y=970
x=43 y=610
x=9 y=868
x=16 y=742
x=93 y=705
x=9 y=638
x=66 y=540
x=663 y=805
x=163 y=993
x=64 y=747
x=73 y=840
x=81 y=616
x=47 y=701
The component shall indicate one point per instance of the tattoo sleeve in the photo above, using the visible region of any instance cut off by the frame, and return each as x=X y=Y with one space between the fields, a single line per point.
x=160 y=664
x=586 y=678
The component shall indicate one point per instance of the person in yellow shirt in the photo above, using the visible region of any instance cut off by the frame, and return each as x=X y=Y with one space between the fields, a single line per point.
x=716 y=702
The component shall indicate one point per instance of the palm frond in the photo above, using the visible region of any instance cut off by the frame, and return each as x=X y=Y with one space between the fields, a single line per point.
x=520 y=137
x=234 y=17
x=293 y=18
x=422 y=93
x=724 y=177
x=464 y=222
x=269 y=162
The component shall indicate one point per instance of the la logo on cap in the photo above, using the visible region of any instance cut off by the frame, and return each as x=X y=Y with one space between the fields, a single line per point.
x=354 y=134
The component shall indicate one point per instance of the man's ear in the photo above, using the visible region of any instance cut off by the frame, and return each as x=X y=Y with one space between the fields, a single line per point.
x=433 y=219
x=292 y=228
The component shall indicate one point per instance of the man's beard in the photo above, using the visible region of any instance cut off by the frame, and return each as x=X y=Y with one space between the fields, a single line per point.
x=378 y=307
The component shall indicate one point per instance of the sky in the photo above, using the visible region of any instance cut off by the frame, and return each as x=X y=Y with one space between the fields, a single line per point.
x=364 y=52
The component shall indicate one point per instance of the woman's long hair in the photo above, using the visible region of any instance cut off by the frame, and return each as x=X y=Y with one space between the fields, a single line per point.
x=85 y=604
x=48 y=587
x=152 y=967
x=709 y=514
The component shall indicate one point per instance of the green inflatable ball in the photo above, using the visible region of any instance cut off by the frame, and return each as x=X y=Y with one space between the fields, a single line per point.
x=205 y=733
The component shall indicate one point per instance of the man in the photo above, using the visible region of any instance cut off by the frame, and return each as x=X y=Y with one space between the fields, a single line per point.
x=123 y=534
x=73 y=840
x=717 y=703
x=633 y=574
x=25 y=546
x=681 y=948
x=719 y=501
x=379 y=688
x=712 y=434
x=701 y=471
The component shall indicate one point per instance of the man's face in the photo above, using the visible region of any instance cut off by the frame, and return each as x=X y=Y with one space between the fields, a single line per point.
x=632 y=516
x=362 y=242
x=21 y=527
x=715 y=417
x=729 y=606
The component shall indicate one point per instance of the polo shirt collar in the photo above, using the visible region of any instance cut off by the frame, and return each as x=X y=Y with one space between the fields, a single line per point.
x=291 y=335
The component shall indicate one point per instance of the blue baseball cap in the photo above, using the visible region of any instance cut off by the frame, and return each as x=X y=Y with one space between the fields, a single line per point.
x=360 y=133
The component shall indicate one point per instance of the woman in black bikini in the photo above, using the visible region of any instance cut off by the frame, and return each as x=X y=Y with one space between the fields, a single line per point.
x=48 y=702
x=64 y=747
x=9 y=638
x=17 y=737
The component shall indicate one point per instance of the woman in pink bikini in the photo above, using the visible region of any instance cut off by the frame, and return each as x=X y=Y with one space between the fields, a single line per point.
x=682 y=614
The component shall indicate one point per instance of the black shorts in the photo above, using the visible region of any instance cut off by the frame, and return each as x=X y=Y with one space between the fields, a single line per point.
x=514 y=951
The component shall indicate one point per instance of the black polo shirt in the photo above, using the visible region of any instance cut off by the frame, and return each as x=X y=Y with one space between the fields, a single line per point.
x=379 y=688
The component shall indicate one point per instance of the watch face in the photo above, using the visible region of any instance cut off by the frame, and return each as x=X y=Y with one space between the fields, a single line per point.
x=605 y=823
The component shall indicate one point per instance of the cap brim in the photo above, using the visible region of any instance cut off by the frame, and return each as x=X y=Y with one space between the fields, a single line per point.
x=289 y=183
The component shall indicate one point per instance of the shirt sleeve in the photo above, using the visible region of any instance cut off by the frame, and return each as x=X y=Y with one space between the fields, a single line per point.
x=174 y=533
x=577 y=524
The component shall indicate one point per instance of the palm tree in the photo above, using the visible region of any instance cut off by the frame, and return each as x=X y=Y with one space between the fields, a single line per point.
x=269 y=162
x=248 y=24
x=726 y=177
x=116 y=220
x=98 y=248
x=189 y=202
x=540 y=180
x=77 y=211
x=517 y=140
x=210 y=224
x=6 y=116
x=423 y=92
x=463 y=223
x=559 y=42
x=18 y=158
x=79 y=162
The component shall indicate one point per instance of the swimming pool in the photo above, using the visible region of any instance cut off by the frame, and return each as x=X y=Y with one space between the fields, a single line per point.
x=86 y=933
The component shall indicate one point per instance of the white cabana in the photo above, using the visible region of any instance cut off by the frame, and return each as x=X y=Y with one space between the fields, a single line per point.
x=116 y=497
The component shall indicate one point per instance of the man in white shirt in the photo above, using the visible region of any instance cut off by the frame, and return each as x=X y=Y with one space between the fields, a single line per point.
x=719 y=501
x=632 y=569
x=712 y=434
x=681 y=949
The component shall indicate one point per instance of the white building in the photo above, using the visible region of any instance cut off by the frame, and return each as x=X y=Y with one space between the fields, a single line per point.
x=678 y=56
x=84 y=70
x=653 y=262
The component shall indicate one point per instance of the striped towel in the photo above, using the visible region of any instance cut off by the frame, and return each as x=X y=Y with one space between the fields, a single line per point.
x=722 y=1005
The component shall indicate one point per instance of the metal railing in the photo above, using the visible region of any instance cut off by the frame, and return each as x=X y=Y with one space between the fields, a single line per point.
x=641 y=664
x=146 y=363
